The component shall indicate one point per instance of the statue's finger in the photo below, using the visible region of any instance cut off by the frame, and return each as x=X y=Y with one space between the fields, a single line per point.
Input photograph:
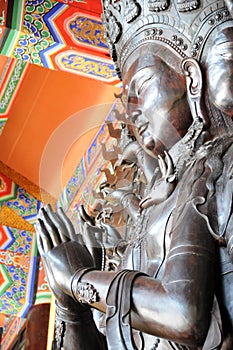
x=51 y=229
x=58 y=223
x=170 y=167
x=145 y=202
x=44 y=240
x=49 y=274
x=89 y=237
x=68 y=224
x=85 y=216
x=40 y=214
x=42 y=250
x=38 y=238
x=162 y=166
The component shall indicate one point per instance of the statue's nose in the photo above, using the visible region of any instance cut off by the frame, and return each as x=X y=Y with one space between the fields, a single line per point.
x=135 y=115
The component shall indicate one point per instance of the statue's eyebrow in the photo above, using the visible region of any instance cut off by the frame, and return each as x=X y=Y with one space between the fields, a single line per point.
x=141 y=78
x=142 y=82
x=224 y=45
x=224 y=49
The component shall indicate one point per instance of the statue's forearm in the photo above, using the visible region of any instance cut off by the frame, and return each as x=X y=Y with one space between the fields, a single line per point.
x=167 y=313
x=178 y=306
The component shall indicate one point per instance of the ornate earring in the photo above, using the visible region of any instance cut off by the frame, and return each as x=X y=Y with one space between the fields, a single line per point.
x=193 y=75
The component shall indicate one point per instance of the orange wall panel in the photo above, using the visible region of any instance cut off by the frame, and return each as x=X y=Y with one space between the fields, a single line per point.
x=3 y=61
x=44 y=101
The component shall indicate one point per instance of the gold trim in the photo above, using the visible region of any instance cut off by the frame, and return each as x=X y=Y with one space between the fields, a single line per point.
x=8 y=217
x=26 y=184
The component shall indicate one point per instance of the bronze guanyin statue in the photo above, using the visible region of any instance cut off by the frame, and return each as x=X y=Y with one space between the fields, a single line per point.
x=167 y=283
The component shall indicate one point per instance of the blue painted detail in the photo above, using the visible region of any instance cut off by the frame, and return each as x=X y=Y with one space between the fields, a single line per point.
x=31 y=287
x=11 y=239
x=48 y=19
x=87 y=31
x=76 y=181
x=44 y=54
x=88 y=66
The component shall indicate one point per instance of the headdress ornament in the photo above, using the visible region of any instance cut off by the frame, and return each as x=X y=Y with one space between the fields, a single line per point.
x=183 y=26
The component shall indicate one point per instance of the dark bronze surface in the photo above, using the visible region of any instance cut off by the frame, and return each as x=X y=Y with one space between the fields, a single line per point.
x=161 y=268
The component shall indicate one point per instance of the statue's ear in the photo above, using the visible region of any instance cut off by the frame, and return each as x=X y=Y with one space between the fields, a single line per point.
x=193 y=75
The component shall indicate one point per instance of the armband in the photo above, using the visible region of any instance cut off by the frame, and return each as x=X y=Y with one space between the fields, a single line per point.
x=83 y=292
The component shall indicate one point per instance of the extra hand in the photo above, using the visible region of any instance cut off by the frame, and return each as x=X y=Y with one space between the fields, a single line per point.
x=162 y=187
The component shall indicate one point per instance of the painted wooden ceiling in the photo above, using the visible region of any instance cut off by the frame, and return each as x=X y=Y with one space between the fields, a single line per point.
x=66 y=35
x=54 y=62
x=55 y=73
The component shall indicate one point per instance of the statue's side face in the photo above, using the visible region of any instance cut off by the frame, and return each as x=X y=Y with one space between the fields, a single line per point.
x=220 y=71
x=158 y=107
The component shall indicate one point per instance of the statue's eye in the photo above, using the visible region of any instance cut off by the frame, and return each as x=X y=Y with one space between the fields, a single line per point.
x=228 y=54
x=143 y=83
x=225 y=50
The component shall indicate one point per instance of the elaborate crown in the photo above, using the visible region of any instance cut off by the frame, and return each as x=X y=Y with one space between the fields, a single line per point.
x=183 y=26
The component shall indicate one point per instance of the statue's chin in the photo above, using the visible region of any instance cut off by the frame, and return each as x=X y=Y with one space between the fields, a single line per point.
x=152 y=148
x=149 y=143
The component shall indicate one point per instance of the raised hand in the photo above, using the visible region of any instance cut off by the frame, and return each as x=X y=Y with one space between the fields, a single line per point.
x=164 y=186
x=92 y=237
x=62 y=253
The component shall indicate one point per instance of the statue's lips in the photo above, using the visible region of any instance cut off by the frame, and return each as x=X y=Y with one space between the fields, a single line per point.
x=147 y=138
x=142 y=128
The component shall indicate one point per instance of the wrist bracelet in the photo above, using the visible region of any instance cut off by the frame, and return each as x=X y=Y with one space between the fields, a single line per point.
x=83 y=292
x=65 y=317
x=82 y=316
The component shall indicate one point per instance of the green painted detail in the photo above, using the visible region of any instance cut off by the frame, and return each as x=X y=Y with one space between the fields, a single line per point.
x=10 y=43
x=22 y=243
x=43 y=297
x=17 y=14
x=12 y=85
x=41 y=8
x=33 y=19
x=34 y=248
x=29 y=47
x=11 y=195
x=7 y=280
x=12 y=301
x=36 y=36
x=24 y=205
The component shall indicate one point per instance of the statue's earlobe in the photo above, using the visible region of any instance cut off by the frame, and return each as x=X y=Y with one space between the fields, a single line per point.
x=193 y=75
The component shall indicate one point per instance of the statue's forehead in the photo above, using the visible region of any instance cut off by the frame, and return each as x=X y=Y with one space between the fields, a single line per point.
x=219 y=42
x=224 y=37
x=150 y=55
